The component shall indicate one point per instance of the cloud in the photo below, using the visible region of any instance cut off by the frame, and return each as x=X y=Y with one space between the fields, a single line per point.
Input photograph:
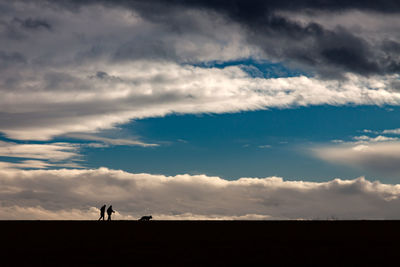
x=379 y=138
x=52 y=152
x=391 y=131
x=380 y=154
x=202 y=30
x=7 y=58
x=38 y=164
x=80 y=101
x=73 y=194
x=32 y=24
x=299 y=32
x=116 y=33
x=110 y=141
x=35 y=164
x=387 y=131
x=40 y=156
x=120 y=61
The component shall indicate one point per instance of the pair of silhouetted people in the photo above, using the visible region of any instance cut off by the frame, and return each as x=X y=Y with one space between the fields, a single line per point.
x=109 y=212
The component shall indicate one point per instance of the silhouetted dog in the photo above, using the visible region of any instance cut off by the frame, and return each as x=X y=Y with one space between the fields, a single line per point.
x=146 y=218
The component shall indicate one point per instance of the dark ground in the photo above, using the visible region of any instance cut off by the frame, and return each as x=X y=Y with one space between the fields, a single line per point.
x=200 y=243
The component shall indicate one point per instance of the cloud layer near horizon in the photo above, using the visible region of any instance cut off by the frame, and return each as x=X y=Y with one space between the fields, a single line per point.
x=75 y=194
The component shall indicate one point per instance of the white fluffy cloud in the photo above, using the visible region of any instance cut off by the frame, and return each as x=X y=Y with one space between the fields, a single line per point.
x=74 y=194
x=83 y=100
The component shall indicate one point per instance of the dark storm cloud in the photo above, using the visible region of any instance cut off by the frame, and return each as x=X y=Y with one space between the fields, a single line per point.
x=251 y=9
x=12 y=57
x=32 y=24
x=391 y=46
x=16 y=28
x=8 y=59
x=329 y=52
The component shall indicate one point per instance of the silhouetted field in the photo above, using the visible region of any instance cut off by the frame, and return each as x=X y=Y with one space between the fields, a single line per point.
x=199 y=243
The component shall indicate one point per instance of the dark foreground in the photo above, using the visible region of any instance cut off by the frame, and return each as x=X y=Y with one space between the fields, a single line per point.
x=200 y=243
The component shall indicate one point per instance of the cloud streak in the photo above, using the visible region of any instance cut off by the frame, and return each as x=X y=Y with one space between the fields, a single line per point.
x=110 y=141
x=40 y=156
x=52 y=152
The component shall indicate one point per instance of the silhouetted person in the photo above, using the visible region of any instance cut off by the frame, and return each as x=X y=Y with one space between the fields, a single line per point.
x=102 y=211
x=109 y=212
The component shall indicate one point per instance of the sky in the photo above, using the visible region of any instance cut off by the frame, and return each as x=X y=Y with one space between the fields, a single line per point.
x=200 y=109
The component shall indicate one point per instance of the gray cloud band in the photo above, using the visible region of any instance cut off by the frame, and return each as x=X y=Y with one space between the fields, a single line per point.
x=327 y=52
